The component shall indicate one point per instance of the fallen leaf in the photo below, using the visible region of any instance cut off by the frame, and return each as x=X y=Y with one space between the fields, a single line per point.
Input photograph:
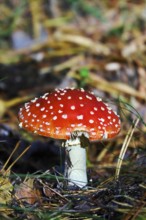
x=26 y=192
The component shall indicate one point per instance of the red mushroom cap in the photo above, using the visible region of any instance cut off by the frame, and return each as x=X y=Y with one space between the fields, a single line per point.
x=64 y=111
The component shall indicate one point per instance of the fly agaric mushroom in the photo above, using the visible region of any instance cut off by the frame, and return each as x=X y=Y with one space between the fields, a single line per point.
x=76 y=116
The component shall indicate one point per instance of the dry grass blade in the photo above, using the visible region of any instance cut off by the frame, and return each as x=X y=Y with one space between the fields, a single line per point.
x=124 y=148
x=102 y=153
x=6 y=187
x=132 y=214
x=5 y=105
x=12 y=164
x=96 y=47
x=113 y=88
x=67 y=64
x=36 y=12
x=17 y=101
x=6 y=163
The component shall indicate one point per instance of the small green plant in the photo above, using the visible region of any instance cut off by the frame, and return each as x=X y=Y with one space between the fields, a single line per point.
x=84 y=75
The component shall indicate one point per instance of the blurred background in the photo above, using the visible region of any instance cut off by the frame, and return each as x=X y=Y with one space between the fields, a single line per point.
x=97 y=45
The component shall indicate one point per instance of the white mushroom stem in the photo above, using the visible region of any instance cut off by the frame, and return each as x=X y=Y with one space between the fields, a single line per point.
x=76 y=172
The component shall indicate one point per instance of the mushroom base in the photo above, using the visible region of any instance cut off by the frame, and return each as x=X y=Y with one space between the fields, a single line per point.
x=76 y=166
